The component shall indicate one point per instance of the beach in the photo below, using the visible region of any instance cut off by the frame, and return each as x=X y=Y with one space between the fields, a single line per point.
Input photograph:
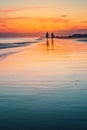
x=43 y=85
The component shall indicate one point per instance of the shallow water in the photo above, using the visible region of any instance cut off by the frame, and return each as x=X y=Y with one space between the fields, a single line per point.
x=44 y=86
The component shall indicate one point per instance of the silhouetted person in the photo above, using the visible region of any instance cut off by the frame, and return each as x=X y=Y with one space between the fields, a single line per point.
x=52 y=44
x=47 y=35
x=52 y=35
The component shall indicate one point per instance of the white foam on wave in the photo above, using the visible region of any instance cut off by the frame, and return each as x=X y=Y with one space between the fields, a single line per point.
x=14 y=45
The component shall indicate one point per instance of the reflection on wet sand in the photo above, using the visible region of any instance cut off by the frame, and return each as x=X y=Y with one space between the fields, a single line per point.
x=47 y=44
x=44 y=87
x=50 y=44
x=65 y=50
x=61 y=55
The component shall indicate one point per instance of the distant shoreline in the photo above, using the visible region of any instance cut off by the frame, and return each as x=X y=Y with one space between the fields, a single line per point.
x=73 y=36
x=84 y=40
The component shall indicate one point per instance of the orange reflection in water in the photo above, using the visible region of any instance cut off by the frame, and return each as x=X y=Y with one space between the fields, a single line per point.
x=49 y=50
x=46 y=58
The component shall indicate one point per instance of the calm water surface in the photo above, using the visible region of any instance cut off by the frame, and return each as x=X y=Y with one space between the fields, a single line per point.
x=43 y=86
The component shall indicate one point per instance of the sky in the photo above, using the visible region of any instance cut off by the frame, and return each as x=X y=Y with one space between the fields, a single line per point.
x=35 y=17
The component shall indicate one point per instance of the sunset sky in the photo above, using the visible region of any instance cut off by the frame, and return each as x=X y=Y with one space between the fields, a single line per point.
x=35 y=17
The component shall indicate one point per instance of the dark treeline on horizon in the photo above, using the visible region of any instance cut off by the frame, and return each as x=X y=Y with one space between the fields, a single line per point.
x=73 y=36
x=52 y=35
x=47 y=34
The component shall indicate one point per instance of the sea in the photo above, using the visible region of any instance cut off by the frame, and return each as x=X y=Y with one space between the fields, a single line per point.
x=43 y=84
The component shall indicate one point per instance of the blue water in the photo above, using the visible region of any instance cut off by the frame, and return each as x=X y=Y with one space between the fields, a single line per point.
x=43 y=109
x=42 y=97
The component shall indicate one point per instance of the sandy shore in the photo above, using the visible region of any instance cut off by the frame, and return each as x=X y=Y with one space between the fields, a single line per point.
x=43 y=86
x=59 y=61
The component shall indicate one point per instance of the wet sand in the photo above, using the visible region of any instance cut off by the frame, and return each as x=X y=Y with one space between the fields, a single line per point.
x=44 y=86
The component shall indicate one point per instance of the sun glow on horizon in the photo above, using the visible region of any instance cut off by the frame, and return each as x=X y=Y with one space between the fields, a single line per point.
x=41 y=16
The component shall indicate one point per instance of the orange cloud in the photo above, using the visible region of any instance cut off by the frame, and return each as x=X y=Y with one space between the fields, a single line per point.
x=35 y=24
x=20 y=9
x=37 y=19
x=25 y=25
x=85 y=21
x=64 y=16
x=52 y=19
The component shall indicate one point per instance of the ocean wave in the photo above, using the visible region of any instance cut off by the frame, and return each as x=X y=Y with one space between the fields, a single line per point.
x=83 y=40
x=22 y=42
x=11 y=45
x=16 y=45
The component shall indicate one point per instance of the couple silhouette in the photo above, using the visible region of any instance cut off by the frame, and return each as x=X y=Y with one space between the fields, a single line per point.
x=52 y=35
